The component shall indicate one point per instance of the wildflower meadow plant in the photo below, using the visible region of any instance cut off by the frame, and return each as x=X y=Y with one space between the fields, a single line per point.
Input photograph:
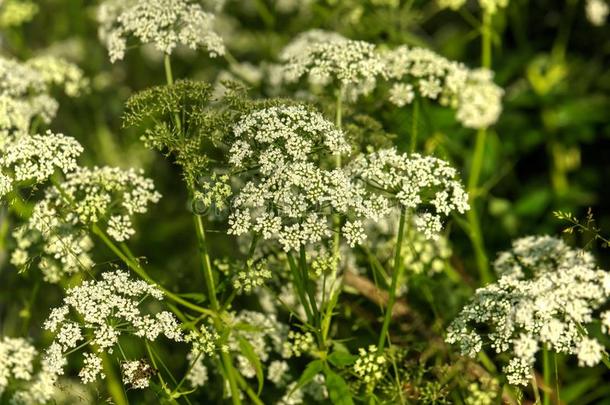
x=299 y=204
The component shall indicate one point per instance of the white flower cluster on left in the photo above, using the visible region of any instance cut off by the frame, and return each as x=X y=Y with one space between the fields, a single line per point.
x=546 y=295
x=33 y=159
x=99 y=312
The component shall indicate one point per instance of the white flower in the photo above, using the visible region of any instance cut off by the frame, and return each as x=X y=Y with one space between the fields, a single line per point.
x=277 y=372
x=589 y=352
x=597 y=12
x=546 y=291
x=106 y=310
x=163 y=23
x=401 y=94
x=472 y=93
x=329 y=57
x=33 y=159
x=414 y=180
x=370 y=365
x=253 y=276
x=289 y=196
x=92 y=368
x=198 y=374
x=136 y=373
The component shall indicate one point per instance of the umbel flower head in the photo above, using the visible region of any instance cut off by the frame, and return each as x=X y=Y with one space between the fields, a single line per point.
x=106 y=195
x=414 y=182
x=328 y=58
x=33 y=159
x=25 y=88
x=472 y=93
x=28 y=380
x=99 y=313
x=546 y=295
x=162 y=23
x=489 y=6
x=288 y=195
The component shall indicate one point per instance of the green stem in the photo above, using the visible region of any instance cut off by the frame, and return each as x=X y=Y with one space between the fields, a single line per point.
x=546 y=372
x=395 y=276
x=414 y=126
x=133 y=264
x=115 y=388
x=167 y=64
x=205 y=263
x=535 y=389
x=299 y=285
x=475 y=233
x=308 y=285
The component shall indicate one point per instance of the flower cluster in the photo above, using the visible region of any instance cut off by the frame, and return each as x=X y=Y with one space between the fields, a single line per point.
x=370 y=365
x=14 y=13
x=489 y=6
x=597 y=12
x=297 y=344
x=290 y=195
x=546 y=294
x=205 y=341
x=414 y=181
x=262 y=332
x=253 y=276
x=33 y=159
x=17 y=364
x=24 y=91
x=162 y=23
x=472 y=93
x=330 y=58
x=104 y=194
x=137 y=373
x=104 y=310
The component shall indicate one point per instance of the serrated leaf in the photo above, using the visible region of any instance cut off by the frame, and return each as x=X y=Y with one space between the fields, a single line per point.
x=338 y=390
x=341 y=359
x=248 y=351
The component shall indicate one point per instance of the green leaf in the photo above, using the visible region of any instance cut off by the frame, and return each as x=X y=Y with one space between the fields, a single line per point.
x=248 y=351
x=341 y=359
x=310 y=372
x=337 y=388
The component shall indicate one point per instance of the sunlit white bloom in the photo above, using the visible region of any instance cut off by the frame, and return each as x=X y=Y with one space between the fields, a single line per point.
x=162 y=23
x=414 y=181
x=59 y=72
x=472 y=93
x=597 y=11
x=546 y=294
x=136 y=373
x=370 y=365
x=106 y=310
x=33 y=159
x=327 y=57
x=289 y=196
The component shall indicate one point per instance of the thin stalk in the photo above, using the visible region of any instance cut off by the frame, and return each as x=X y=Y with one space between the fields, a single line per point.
x=307 y=284
x=475 y=169
x=296 y=276
x=546 y=372
x=414 y=126
x=115 y=388
x=395 y=276
x=139 y=270
x=205 y=263
x=535 y=389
